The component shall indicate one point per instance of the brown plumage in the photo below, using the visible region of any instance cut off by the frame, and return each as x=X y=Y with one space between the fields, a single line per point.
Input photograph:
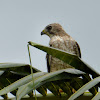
x=61 y=40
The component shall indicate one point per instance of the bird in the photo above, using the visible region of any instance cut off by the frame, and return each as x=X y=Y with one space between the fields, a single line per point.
x=61 y=40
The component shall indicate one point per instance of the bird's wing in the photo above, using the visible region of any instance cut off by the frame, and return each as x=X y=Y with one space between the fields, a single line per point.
x=78 y=49
x=48 y=65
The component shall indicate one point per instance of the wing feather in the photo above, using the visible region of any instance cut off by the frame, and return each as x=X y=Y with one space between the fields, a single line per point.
x=48 y=65
x=78 y=49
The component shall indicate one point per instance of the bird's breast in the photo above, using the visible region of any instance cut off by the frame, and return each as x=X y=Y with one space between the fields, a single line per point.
x=63 y=43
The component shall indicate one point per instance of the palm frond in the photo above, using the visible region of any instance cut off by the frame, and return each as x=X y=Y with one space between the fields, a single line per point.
x=16 y=78
x=85 y=87
x=53 y=76
x=70 y=59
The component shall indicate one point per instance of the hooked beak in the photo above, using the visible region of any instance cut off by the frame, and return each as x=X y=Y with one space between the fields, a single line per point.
x=43 y=32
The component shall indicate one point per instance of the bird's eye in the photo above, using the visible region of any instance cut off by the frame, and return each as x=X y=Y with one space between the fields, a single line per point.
x=49 y=28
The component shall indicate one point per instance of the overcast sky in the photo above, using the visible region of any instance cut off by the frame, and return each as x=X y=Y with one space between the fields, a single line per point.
x=23 y=20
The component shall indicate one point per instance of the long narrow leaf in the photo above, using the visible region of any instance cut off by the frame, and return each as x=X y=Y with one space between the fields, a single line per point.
x=85 y=87
x=53 y=88
x=44 y=79
x=42 y=90
x=9 y=65
x=20 y=82
x=18 y=68
x=96 y=97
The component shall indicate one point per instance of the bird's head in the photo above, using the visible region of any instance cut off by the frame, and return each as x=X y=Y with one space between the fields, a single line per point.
x=53 y=30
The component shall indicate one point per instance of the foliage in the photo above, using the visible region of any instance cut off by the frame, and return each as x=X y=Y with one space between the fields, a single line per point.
x=17 y=79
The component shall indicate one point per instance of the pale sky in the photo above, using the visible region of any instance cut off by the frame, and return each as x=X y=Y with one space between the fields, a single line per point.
x=23 y=20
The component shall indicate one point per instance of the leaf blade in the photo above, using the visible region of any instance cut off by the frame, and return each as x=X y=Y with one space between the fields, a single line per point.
x=71 y=59
x=20 y=82
x=85 y=87
x=42 y=80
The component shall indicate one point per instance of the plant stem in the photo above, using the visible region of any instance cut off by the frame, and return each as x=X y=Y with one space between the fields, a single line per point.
x=31 y=70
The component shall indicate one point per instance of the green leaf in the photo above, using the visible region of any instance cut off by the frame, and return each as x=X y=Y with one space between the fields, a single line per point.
x=70 y=59
x=18 y=68
x=46 y=78
x=53 y=88
x=77 y=83
x=20 y=82
x=42 y=90
x=61 y=74
x=96 y=97
x=10 y=65
x=7 y=78
x=85 y=87
x=66 y=87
